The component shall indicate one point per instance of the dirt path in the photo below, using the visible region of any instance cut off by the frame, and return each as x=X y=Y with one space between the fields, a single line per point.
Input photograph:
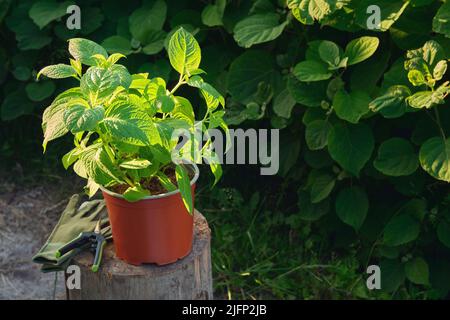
x=27 y=217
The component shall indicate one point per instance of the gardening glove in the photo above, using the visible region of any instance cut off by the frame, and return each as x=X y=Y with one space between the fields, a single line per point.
x=74 y=220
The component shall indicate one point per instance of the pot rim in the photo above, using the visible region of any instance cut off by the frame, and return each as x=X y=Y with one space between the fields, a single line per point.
x=161 y=195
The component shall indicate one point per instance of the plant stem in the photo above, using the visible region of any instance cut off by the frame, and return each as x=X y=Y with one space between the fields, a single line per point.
x=179 y=84
x=438 y=122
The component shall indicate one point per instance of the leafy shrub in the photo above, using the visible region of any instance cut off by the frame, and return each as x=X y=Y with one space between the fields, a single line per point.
x=123 y=124
x=363 y=113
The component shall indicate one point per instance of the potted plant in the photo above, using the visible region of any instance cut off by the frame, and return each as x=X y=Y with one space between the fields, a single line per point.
x=124 y=143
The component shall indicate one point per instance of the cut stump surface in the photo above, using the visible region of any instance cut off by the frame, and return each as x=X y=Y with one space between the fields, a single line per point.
x=188 y=278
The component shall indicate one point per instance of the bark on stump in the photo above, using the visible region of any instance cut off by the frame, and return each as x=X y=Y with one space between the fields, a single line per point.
x=188 y=278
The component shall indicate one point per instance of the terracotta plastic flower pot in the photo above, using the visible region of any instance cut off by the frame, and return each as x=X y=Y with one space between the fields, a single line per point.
x=157 y=229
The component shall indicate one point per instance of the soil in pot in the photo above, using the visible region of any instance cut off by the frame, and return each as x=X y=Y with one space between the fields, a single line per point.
x=157 y=229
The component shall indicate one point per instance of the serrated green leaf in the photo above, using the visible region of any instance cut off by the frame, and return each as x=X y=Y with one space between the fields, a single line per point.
x=184 y=184
x=58 y=71
x=135 y=164
x=130 y=124
x=184 y=52
x=439 y=70
x=183 y=110
x=99 y=83
x=396 y=157
x=78 y=118
x=258 y=28
x=209 y=92
x=83 y=50
x=99 y=166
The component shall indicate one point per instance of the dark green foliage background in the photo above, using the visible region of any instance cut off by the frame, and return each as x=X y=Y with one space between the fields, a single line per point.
x=278 y=236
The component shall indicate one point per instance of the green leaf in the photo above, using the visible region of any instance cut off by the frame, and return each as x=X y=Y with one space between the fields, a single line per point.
x=247 y=72
x=392 y=275
x=329 y=52
x=165 y=103
x=184 y=52
x=258 y=28
x=58 y=71
x=417 y=271
x=130 y=124
x=441 y=21
x=401 y=229
x=351 y=106
x=135 y=164
x=322 y=185
x=434 y=158
x=416 y=78
x=390 y=11
x=206 y=88
x=70 y=157
x=78 y=118
x=98 y=84
x=154 y=42
x=393 y=103
x=184 y=184
x=351 y=146
x=421 y=99
x=44 y=12
x=311 y=70
x=99 y=166
x=183 y=110
x=309 y=211
x=117 y=44
x=39 y=91
x=212 y=14
x=136 y=193
x=316 y=134
x=352 y=205
x=151 y=16
x=53 y=118
x=166 y=182
x=361 y=49
x=439 y=70
x=83 y=50
x=283 y=103
x=396 y=157
x=15 y=105
x=309 y=94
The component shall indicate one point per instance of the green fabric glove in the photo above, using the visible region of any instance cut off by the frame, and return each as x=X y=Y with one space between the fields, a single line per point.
x=74 y=220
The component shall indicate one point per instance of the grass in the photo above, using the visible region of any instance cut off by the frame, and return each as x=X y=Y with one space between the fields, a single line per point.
x=258 y=253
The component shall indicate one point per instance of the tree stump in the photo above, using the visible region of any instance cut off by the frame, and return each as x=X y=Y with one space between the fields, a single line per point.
x=188 y=278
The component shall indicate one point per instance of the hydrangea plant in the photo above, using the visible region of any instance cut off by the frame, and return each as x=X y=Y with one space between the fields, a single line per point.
x=123 y=123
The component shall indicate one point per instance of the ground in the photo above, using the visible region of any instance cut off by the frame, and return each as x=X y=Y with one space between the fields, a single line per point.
x=27 y=216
